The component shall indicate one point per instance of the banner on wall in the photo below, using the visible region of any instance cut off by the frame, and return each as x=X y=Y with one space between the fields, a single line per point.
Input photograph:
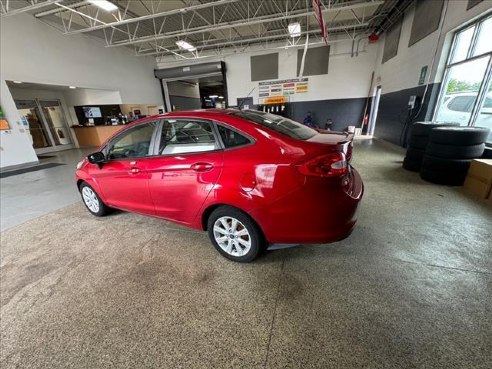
x=267 y=91
x=4 y=125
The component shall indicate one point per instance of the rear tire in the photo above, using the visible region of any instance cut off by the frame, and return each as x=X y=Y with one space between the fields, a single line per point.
x=235 y=235
x=455 y=152
x=92 y=201
x=460 y=136
x=412 y=164
x=425 y=128
x=451 y=172
x=443 y=178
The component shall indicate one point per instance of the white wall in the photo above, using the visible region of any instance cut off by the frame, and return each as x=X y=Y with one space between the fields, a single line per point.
x=403 y=71
x=348 y=77
x=15 y=144
x=31 y=51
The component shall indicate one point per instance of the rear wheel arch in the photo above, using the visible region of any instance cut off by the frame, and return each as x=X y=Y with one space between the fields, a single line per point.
x=210 y=209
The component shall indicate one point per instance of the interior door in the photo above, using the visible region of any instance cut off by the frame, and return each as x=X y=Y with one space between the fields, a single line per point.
x=56 y=122
x=187 y=167
x=33 y=123
x=124 y=178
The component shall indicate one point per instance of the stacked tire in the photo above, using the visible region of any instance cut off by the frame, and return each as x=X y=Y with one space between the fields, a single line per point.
x=417 y=143
x=450 y=152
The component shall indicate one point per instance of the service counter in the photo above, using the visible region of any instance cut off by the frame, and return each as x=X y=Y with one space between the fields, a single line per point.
x=94 y=135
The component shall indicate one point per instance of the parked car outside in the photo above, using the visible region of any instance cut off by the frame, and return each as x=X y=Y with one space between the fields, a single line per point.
x=457 y=108
x=246 y=177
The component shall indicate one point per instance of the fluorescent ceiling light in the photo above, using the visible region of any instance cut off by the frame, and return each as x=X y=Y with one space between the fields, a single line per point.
x=72 y=87
x=214 y=96
x=104 y=4
x=18 y=82
x=294 y=29
x=185 y=45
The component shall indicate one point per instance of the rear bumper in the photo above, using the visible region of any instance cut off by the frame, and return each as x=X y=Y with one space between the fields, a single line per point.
x=321 y=211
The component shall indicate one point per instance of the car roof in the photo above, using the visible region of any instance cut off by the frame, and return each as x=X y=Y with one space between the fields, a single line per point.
x=205 y=113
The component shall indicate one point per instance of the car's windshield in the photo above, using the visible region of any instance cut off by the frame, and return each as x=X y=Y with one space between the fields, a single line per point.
x=279 y=124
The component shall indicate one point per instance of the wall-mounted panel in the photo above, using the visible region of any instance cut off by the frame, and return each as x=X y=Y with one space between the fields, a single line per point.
x=316 y=61
x=264 y=67
x=391 y=42
x=472 y=3
x=426 y=19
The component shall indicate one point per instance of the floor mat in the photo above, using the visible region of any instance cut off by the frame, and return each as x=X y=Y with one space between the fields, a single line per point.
x=30 y=169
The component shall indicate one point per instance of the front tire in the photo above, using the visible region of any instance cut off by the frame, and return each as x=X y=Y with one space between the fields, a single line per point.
x=235 y=235
x=92 y=201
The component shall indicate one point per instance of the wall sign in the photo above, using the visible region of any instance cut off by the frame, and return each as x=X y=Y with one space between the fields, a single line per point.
x=4 y=125
x=281 y=89
x=423 y=73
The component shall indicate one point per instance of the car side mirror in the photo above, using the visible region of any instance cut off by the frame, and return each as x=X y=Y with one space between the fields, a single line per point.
x=96 y=158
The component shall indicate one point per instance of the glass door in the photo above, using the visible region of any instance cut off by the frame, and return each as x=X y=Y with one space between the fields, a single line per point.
x=33 y=123
x=56 y=122
x=45 y=121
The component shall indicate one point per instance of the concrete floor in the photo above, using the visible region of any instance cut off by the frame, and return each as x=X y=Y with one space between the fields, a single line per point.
x=30 y=195
x=410 y=288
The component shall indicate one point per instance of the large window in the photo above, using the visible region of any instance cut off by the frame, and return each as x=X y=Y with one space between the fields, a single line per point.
x=466 y=95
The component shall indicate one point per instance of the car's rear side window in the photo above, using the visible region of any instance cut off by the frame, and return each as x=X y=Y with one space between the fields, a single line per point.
x=232 y=138
x=182 y=136
x=279 y=124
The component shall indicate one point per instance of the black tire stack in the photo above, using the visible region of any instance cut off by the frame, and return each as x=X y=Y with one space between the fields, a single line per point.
x=417 y=143
x=450 y=152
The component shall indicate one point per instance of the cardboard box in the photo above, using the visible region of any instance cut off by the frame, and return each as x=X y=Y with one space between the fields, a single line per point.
x=479 y=178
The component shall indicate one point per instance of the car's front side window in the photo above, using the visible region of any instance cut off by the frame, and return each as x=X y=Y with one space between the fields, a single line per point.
x=134 y=143
x=180 y=136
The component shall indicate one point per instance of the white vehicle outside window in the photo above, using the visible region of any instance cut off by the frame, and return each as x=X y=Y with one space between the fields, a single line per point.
x=466 y=92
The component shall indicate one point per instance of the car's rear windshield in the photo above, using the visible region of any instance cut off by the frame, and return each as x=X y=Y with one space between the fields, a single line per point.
x=279 y=124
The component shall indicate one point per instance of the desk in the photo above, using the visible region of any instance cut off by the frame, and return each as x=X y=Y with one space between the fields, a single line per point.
x=94 y=135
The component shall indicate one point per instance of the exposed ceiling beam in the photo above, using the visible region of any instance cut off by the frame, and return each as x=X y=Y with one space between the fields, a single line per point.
x=152 y=16
x=241 y=42
x=55 y=11
x=28 y=8
x=226 y=25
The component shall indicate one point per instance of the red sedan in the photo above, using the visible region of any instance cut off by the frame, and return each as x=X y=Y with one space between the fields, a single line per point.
x=249 y=178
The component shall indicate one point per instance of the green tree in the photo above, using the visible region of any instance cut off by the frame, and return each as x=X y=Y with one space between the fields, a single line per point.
x=455 y=85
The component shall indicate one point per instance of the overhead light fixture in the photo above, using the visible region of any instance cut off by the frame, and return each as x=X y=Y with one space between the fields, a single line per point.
x=185 y=45
x=221 y=97
x=72 y=87
x=18 y=82
x=294 y=29
x=214 y=96
x=104 y=4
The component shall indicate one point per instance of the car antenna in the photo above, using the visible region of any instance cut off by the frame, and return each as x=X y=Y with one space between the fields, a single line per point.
x=244 y=100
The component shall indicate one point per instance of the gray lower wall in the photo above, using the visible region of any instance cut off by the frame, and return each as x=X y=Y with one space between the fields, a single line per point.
x=343 y=112
x=393 y=111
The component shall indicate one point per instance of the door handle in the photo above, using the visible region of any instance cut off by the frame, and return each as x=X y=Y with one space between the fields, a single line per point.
x=134 y=171
x=202 y=167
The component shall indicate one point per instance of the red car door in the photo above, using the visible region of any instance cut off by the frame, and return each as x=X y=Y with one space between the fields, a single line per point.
x=188 y=166
x=124 y=178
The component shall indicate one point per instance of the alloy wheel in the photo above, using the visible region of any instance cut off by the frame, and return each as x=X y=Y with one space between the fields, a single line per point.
x=90 y=199
x=232 y=236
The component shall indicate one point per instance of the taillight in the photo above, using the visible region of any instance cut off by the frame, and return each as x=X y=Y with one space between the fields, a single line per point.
x=326 y=166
